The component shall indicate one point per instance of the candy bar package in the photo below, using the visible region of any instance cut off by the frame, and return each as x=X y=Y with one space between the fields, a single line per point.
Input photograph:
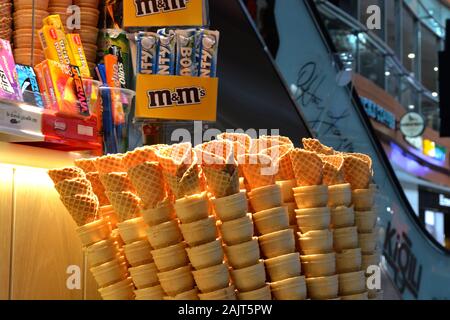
x=78 y=58
x=209 y=45
x=147 y=49
x=112 y=80
x=166 y=52
x=64 y=87
x=9 y=85
x=54 y=42
x=188 y=52
x=115 y=42
x=29 y=85
x=54 y=21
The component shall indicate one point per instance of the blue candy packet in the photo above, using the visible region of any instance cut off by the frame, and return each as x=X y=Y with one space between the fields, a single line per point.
x=188 y=52
x=147 y=51
x=166 y=52
x=209 y=47
x=29 y=85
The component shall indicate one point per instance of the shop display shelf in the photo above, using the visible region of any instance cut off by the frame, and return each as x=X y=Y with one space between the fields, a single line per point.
x=26 y=124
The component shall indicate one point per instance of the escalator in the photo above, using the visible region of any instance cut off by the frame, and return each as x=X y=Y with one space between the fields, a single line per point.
x=302 y=88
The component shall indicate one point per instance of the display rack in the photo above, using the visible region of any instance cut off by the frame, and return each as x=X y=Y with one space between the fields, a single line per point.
x=26 y=124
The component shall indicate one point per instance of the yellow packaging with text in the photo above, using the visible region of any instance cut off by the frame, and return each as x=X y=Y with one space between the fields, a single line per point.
x=176 y=97
x=55 y=45
x=159 y=13
x=78 y=58
x=55 y=21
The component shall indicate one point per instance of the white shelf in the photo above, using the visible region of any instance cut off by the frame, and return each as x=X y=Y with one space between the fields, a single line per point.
x=20 y=122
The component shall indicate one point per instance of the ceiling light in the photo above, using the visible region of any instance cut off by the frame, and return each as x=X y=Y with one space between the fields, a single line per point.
x=387 y=73
x=434 y=94
x=411 y=106
x=411 y=55
x=436 y=69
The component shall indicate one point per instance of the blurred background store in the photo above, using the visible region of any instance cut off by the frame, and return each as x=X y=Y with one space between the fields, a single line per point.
x=397 y=71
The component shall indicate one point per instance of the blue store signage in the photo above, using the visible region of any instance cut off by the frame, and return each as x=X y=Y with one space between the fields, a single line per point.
x=379 y=114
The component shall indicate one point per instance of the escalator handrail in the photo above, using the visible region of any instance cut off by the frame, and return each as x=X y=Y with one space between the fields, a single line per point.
x=377 y=145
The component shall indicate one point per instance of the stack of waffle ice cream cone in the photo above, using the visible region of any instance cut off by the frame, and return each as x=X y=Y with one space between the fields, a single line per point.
x=358 y=173
x=163 y=234
x=339 y=177
x=166 y=234
x=105 y=259
x=313 y=220
x=131 y=226
x=230 y=207
x=276 y=238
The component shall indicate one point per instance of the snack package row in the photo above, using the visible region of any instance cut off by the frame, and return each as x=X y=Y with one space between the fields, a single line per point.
x=62 y=88
x=66 y=49
x=9 y=82
x=183 y=52
x=115 y=42
x=17 y=82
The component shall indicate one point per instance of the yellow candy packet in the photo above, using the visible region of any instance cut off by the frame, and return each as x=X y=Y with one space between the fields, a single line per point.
x=78 y=58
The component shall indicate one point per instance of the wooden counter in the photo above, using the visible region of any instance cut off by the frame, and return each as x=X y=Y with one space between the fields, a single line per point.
x=37 y=235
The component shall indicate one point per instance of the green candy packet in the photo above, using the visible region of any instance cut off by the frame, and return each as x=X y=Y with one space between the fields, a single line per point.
x=115 y=41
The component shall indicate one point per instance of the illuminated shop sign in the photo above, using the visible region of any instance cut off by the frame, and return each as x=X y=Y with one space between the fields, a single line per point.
x=416 y=142
x=444 y=201
x=434 y=150
x=428 y=147
x=378 y=113
x=412 y=124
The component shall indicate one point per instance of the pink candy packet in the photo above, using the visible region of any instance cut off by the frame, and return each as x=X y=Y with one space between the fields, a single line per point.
x=9 y=84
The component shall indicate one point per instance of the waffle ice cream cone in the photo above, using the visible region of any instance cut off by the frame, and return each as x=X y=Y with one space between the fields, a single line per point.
x=87 y=165
x=139 y=156
x=259 y=170
x=363 y=157
x=314 y=145
x=116 y=182
x=125 y=204
x=266 y=142
x=281 y=155
x=333 y=169
x=98 y=188
x=67 y=188
x=219 y=167
x=58 y=175
x=241 y=145
x=331 y=175
x=241 y=141
x=148 y=180
x=356 y=172
x=82 y=208
x=176 y=159
x=307 y=166
x=188 y=184
x=216 y=153
x=109 y=163
x=277 y=140
x=222 y=183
